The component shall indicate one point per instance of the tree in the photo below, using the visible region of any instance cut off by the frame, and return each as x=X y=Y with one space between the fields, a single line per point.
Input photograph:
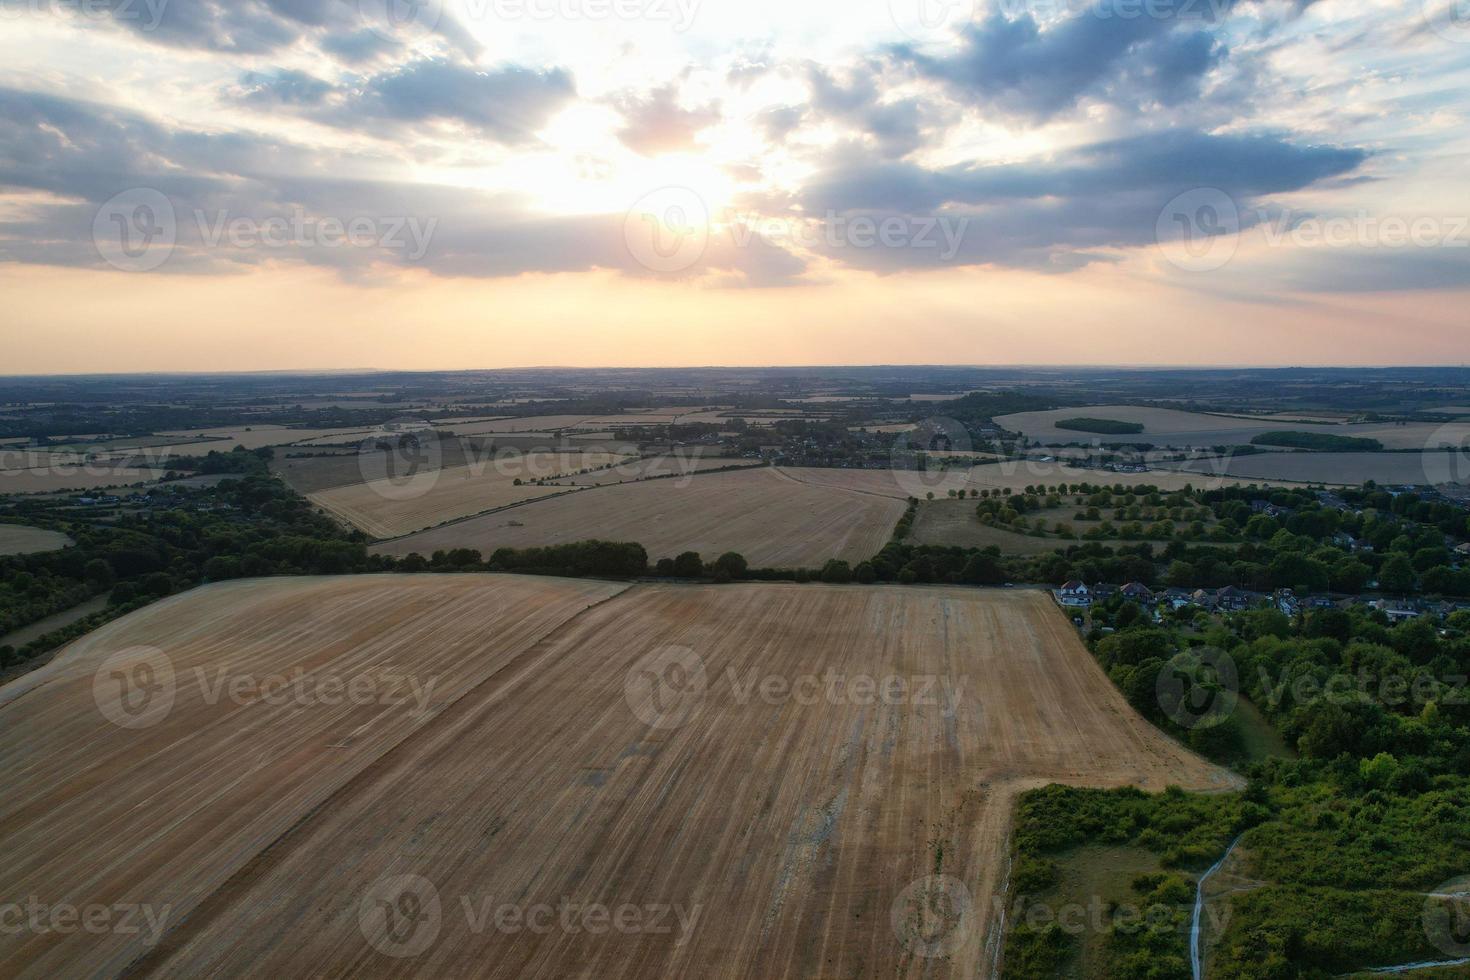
x=731 y=564
x=688 y=565
x=864 y=573
x=837 y=572
x=1396 y=575
x=99 y=575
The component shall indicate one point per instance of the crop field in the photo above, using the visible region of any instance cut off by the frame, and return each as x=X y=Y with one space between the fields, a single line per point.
x=1168 y=427
x=721 y=826
x=387 y=508
x=669 y=466
x=178 y=805
x=1341 y=468
x=954 y=522
x=92 y=476
x=1010 y=475
x=18 y=539
x=770 y=518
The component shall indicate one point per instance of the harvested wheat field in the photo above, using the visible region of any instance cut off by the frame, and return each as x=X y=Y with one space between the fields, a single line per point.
x=770 y=518
x=91 y=476
x=175 y=808
x=619 y=796
x=1011 y=475
x=18 y=539
x=390 y=507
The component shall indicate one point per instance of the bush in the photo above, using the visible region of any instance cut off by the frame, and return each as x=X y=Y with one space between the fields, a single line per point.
x=688 y=565
x=836 y=572
x=731 y=564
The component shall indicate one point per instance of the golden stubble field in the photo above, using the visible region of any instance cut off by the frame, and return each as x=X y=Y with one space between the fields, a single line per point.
x=607 y=781
x=768 y=516
x=389 y=507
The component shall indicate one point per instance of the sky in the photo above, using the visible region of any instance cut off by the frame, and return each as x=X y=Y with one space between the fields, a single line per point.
x=428 y=184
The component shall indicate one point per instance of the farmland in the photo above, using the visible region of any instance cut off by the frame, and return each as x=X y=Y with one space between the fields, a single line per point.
x=16 y=539
x=92 y=476
x=1011 y=475
x=1169 y=427
x=1337 y=468
x=785 y=834
x=766 y=515
x=390 y=507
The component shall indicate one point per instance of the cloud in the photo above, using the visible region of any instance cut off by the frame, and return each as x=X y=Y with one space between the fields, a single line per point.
x=1017 y=67
x=1059 y=213
x=60 y=160
x=893 y=124
x=507 y=104
x=656 y=123
x=353 y=30
x=282 y=87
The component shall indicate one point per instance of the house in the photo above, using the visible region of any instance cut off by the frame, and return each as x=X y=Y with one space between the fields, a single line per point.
x=1074 y=593
x=1102 y=593
x=1320 y=602
x=1395 y=610
x=1176 y=598
x=1287 y=602
x=1138 y=592
x=1232 y=599
x=1203 y=597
